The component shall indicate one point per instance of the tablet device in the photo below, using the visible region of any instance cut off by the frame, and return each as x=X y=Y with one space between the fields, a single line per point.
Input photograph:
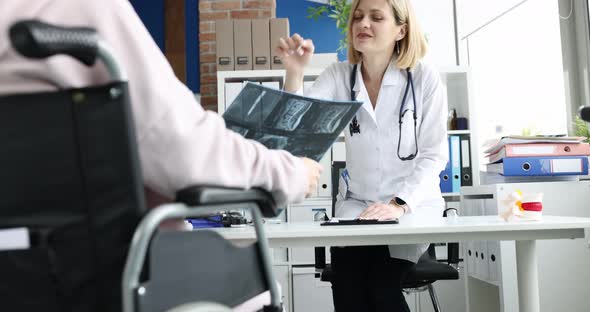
x=335 y=221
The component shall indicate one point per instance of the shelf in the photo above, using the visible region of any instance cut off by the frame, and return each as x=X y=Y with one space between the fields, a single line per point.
x=451 y=194
x=270 y=73
x=458 y=131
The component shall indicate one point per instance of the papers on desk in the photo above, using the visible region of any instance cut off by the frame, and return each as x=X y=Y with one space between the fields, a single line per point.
x=280 y=120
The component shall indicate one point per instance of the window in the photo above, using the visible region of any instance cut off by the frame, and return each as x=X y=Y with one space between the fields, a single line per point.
x=518 y=72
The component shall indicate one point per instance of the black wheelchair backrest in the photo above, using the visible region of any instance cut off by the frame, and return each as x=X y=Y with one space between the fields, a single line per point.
x=70 y=175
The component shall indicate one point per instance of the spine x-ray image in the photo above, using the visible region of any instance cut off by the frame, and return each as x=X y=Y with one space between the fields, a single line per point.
x=280 y=120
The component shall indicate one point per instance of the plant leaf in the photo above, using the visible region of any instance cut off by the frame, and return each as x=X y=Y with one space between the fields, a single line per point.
x=339 y=11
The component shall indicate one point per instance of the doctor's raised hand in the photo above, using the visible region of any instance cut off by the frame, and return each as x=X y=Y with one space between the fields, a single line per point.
x=295 y=53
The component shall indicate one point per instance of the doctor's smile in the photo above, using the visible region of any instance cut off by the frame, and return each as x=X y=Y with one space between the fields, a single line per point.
x=364 y=36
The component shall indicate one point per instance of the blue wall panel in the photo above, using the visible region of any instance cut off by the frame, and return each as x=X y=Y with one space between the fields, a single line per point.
x=193 y=77
x=152 y=16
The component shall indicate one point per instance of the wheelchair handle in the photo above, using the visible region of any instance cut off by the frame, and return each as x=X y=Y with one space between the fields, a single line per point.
x=36 y=39
x=39 y=40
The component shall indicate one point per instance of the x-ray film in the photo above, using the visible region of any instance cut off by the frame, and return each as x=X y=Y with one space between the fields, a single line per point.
x=281 y=120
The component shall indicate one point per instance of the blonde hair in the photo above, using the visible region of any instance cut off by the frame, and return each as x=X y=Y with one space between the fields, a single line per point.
x=412 y=47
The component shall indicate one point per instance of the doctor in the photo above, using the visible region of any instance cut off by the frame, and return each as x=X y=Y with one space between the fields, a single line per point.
x=396 y=146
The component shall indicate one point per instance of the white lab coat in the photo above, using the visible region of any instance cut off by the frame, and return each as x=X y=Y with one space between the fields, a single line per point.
x=375 y=171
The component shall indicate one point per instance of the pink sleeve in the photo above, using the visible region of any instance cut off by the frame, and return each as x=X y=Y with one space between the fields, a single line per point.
x=180 y=144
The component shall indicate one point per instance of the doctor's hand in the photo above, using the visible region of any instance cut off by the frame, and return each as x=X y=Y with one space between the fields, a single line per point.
x=295 y=52
x=382 y=211
x=314 y=169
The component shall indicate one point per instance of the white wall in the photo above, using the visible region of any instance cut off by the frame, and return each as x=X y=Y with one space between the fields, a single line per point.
x=437 y=22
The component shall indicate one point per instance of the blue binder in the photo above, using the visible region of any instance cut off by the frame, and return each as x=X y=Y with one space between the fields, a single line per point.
x=455 y=159
x=446 y=183
x=541 y=166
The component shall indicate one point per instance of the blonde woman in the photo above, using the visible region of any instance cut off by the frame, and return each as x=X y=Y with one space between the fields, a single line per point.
x=396 y=146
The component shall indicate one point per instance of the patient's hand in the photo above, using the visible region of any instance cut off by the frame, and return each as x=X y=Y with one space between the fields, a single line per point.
x=314 y=169
x=382 y=211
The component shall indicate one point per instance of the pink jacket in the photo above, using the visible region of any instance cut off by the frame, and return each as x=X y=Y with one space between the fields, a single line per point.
x=180 y=144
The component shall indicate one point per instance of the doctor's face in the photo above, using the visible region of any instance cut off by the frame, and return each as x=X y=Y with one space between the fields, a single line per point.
x=374 y=30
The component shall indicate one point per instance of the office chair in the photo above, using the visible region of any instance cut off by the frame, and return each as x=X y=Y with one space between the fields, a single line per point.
x=71 y=178
x=422 y=275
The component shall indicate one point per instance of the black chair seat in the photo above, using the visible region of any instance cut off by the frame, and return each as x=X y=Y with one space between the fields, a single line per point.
x=429 y=270
x=425 y=270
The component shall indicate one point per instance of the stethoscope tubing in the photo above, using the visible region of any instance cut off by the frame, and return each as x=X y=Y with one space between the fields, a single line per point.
x=355 y=127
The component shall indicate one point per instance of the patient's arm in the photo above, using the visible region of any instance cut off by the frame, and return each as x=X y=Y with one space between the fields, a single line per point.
x=180 y=144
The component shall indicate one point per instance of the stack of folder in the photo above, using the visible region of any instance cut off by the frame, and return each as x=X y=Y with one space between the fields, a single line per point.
x=536 y=158
x=458 y=171
x=244 y=44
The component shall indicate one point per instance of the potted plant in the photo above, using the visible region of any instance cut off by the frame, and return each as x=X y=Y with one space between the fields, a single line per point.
x=581 y=129
x=338 y=10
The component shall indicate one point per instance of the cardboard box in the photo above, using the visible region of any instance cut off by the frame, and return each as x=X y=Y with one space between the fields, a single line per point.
x=279 y=27
x=261 y=43
x=224 y=33
x=243 y=44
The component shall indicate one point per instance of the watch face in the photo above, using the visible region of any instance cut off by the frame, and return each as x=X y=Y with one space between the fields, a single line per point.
x=399 y=201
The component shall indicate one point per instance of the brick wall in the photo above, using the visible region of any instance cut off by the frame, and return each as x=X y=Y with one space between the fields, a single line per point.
x=209 y=11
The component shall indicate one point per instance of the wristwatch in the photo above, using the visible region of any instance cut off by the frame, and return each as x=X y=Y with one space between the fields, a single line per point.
x=400 y=202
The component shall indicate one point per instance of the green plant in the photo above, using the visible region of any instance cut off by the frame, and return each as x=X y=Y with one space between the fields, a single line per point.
x=581 y=129
x=338 y=10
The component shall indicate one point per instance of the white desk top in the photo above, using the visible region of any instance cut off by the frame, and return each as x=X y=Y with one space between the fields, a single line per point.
x=411 y=231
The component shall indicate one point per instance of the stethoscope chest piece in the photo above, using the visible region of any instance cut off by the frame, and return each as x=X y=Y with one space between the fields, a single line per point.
x=354 y=127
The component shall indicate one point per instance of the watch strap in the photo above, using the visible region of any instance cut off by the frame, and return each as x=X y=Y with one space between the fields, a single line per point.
x=396 y=201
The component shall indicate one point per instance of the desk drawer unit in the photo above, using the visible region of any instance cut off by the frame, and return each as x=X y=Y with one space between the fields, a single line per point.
x=560 y=262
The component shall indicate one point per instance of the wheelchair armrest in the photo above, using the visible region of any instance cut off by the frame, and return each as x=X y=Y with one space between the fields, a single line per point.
x=211 y=195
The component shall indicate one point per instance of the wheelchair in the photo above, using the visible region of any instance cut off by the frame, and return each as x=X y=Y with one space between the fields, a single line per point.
x=72 y=183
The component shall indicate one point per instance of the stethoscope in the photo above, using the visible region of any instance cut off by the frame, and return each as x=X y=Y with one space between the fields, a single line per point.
x=354 y=126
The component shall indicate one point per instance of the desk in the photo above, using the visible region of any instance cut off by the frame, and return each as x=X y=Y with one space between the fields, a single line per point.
x=433 y=230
